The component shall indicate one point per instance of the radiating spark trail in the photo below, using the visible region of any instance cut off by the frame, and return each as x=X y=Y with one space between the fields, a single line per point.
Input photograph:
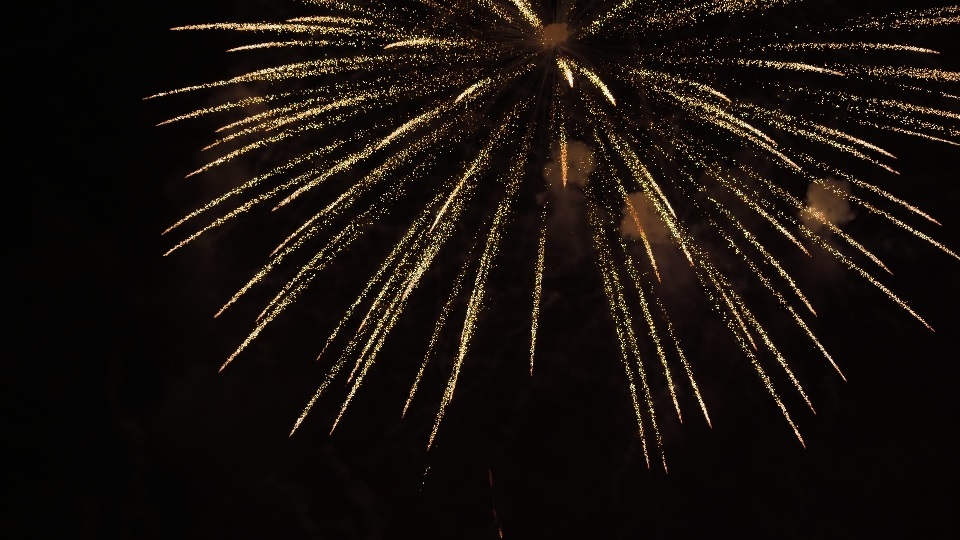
x=437 y=332
x=624 y=326
x=487 y=261
x=565 y=69
x=769 y=286
x=564 y=161
x=594 y=78
x=527 y=11
x=654 y=335
x=538 y=286
x=686 y=365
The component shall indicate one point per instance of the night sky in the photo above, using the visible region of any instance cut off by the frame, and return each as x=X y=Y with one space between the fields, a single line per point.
x=124 y=429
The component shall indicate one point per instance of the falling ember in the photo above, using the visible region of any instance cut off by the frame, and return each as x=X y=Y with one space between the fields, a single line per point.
x=384 y=106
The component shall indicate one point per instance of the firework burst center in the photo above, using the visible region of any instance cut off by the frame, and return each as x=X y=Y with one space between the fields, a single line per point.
x=554 y=35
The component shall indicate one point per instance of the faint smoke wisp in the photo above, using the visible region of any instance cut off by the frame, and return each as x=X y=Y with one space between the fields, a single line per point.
x=827 y=201
x=554 y=34
x=579 y=166
x=641 y=209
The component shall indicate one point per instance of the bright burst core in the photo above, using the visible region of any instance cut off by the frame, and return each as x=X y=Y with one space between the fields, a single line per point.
x=554 y=34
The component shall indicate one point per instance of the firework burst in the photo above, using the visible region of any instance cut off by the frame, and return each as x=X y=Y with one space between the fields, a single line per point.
x=680 y=137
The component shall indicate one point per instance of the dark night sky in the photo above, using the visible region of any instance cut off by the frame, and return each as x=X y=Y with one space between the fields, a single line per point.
x=125 y=430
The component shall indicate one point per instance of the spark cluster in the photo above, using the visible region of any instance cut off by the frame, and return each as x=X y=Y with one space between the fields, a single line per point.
x=683 y=124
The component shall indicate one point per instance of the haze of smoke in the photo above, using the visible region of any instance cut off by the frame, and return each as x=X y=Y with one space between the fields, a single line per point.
x=579 y=166
x=653 y=226
x=827 y=199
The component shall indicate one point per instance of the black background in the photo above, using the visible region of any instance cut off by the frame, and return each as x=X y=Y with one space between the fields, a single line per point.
x=124 y=429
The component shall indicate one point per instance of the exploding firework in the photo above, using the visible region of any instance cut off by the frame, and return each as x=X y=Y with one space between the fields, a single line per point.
x=678 y=138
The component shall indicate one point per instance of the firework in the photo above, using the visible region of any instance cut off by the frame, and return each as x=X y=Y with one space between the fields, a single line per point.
x=647 y=109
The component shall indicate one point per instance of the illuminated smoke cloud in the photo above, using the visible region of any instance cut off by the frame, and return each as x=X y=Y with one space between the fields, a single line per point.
x=554 y=34
x=579 y=166
x=827 y=199
x=644 y=212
